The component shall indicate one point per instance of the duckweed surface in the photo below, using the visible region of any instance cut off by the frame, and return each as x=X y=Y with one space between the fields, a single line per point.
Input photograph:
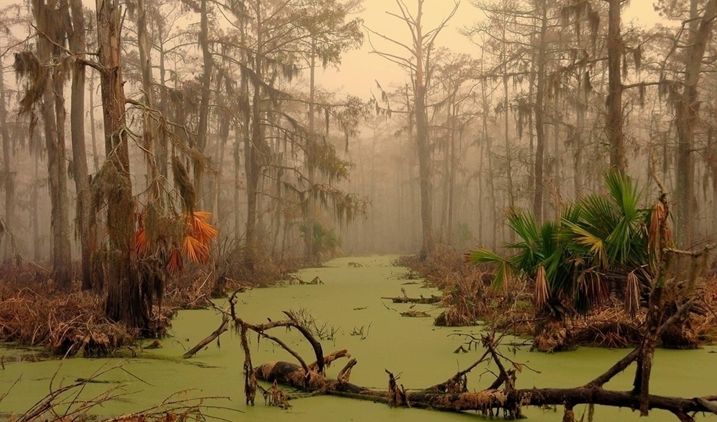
x=349 y=311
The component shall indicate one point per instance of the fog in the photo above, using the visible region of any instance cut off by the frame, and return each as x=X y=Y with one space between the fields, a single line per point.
x=491 y=73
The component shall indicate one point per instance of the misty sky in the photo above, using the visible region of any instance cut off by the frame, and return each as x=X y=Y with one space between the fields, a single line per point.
x=360 y=69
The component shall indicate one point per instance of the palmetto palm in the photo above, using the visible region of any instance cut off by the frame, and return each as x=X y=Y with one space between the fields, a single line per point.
x=569 y=259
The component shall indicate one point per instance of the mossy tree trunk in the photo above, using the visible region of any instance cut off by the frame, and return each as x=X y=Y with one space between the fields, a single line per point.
x=8 y=178
x=79 y=154
x=53 y=113
x=125 y=299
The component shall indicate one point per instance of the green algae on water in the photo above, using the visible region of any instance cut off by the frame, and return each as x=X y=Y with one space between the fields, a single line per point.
x=349 y=299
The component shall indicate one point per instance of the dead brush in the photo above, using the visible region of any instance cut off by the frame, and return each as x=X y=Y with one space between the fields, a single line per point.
x=64 y=323
x=464 y=299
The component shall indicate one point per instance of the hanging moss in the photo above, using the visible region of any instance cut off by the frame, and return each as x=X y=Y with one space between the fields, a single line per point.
x=184 y=184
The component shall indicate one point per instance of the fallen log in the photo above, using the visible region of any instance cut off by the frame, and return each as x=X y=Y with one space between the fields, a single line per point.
x=421 y=300
x=501 y=398
x=504 y=401
x=415 y=314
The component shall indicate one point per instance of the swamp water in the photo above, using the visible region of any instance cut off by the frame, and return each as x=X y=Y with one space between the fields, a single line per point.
x=349 y=300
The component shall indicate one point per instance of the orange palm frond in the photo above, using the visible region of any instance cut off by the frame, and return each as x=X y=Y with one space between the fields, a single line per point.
x=174 y=263
x=141 y=243
x=202 y=215
x=195 y=250
x=200 y=229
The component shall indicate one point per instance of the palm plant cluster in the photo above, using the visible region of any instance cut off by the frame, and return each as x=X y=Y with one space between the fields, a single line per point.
x=599 y=246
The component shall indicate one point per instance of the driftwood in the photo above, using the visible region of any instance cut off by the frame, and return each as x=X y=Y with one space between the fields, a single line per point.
x=421 y=300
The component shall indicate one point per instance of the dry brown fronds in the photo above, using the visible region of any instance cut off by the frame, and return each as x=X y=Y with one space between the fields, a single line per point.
x=632 y=294
x=64 y=323
x=540 y=298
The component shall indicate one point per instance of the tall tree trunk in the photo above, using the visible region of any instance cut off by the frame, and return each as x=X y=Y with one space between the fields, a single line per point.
x=531 y=120
x=53 y=115
x=224 y=126
x=423 y=141
x=237 y=181
x=616 y=137
x=148 y=128
x=8 y=172
x=712 y=166
x=126 y=301
x=442 y=233
x=452 y=173
x=61 y=256
x=687 y=111
x=93 y=127
x=254 y=146
x=162 y=147
x=309 y=218
x=539 y=111
x=79 y=154
x=556 y=170
x=203 y=127
x=34 y=212
x=488 y=150
x=578 y=135
x=506 y=132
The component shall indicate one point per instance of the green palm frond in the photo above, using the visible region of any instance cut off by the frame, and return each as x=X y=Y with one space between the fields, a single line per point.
x=624 y=193
x=524 y=225
x=566 y=257
x=504 y=268
x=528 y=248
x=599 y=213
x=594 y=244
x=485 y=256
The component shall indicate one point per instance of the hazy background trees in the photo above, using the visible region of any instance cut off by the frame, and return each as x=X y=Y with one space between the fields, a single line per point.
x=268 y=115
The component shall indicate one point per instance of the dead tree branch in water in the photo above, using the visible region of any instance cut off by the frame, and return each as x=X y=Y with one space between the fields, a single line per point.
x=65 y=402
x=501 y=397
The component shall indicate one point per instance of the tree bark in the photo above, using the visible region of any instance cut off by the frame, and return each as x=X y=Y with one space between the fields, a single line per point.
x=539 y=111
x=614 y=122
x=162 y=145
x=148 y=129
x=93 y=127
x=488 y=150
x=687 y=111
x=237 y=180
x=79 y=154
x=34 y=214
x=53 y=115
x=582 y=103
x=423 y=141
x=255 y=150
x=452 y=174
x=126 y=302
x=8 y=172
x=309 y=218
x=203 y=126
